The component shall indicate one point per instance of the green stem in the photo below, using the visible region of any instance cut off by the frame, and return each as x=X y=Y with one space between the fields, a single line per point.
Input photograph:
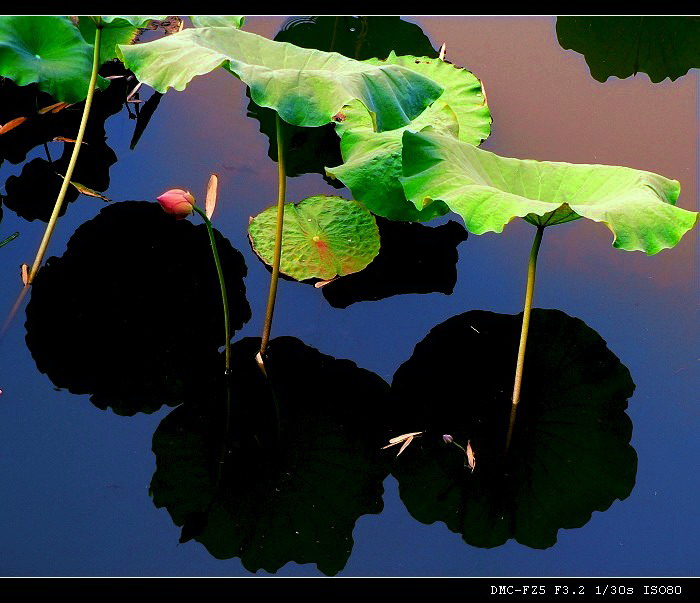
x=529 y=292
x=12 y=237
x=281 y=191
x=73 y=158
x=222 y=284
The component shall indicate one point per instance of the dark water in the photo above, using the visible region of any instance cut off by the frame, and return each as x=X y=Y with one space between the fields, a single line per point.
x=75 y=478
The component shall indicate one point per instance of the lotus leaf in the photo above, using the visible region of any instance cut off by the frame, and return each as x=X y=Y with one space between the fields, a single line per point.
x=372 y=165
x=323 y=237
x=116 y=29
x=488 y=191
x=306 y=87
x=236 y=21
x=47 y=50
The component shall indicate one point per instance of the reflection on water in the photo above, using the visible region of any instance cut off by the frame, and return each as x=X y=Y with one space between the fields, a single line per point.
x=413 y=258
x=102 y=321
x=33 y=193
x=276 y=477
x=132 y=310
x=662 y=47
x=570 y=453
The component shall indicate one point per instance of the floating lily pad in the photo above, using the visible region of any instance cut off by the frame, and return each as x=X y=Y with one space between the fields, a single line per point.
x=49 y=51
x=570 y=453
x=323 y=237
x=488 y=191
x=372 y=165
x=139 y=309
x=276 y=478
x=662 y=47
x=306 y=87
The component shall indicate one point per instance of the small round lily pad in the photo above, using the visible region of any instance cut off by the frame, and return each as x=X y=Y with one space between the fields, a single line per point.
x=323 y=237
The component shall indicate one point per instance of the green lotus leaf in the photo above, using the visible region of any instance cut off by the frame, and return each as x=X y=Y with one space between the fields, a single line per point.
x=116 y=29
x=236 y=21
x=323 y=237
x=372 y=165
x=306 y=87
x=48 y=51
x=660 y=46
x=488 y=191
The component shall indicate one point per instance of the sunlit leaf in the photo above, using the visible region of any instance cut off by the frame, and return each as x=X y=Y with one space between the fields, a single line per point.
x=488 y=191
x=323 y=237
x=309 y=150
x=47 y=50
x=116 y=29
x=660 y=46
x=236 y=21
x=306 y=87
x=372 y=165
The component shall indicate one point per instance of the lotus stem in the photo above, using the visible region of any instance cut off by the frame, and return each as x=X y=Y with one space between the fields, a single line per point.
x=73 y=158
x=529 y=292
x=281 y=192
x=222 y=285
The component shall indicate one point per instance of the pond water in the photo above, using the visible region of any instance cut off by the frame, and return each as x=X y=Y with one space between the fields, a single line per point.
x=78 y=485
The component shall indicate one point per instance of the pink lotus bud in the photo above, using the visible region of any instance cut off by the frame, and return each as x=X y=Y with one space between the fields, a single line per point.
x=448 y=438
x=177 y=203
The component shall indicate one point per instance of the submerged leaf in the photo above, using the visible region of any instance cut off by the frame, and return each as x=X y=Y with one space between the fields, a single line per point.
x=306 y=87
x=372 y=165
x=323 y=237
x=488 y=191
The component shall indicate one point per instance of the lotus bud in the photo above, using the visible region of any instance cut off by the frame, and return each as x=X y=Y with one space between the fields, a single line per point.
x=177 y=203
x=447 y=438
